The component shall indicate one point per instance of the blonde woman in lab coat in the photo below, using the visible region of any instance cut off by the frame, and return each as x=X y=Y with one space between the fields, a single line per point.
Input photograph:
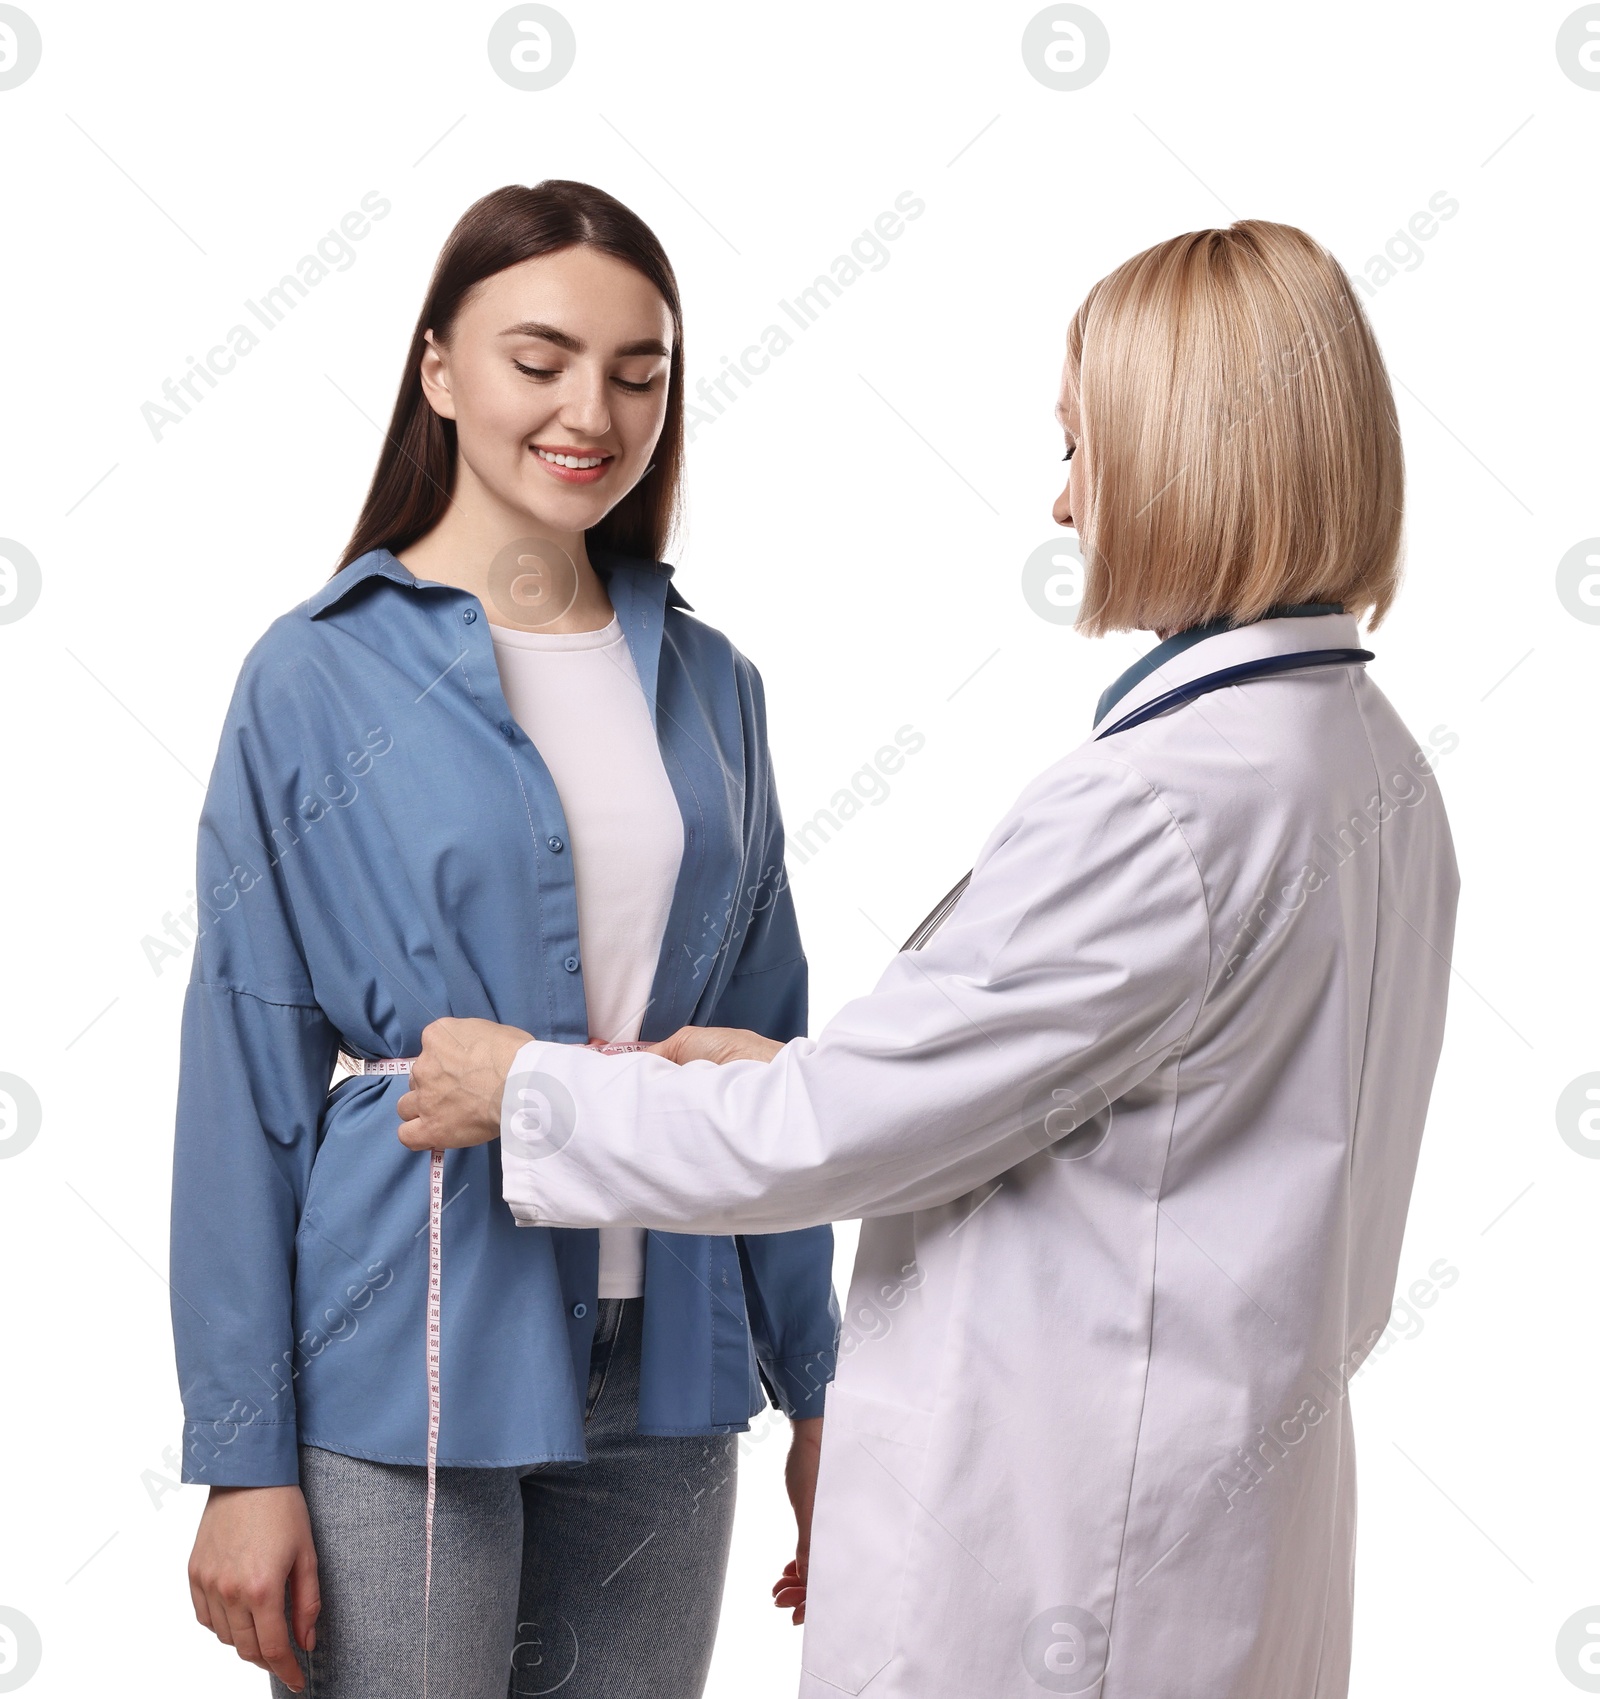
x=1132 y=1134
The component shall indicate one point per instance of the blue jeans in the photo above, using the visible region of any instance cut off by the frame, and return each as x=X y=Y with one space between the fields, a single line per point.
x=600 y=1581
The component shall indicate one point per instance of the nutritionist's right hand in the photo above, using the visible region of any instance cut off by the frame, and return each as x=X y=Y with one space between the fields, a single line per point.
x=251 y=1542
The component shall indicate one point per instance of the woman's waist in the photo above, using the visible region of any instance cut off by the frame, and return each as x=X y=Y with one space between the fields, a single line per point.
x=367 y=1195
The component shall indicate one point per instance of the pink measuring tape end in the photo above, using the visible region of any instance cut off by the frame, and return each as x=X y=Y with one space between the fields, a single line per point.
x=435 y=1262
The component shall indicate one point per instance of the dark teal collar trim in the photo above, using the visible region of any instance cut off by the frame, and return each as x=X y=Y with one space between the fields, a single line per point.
x=1179 y=641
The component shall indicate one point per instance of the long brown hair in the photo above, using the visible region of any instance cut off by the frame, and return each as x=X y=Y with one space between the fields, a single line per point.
x=416 y=470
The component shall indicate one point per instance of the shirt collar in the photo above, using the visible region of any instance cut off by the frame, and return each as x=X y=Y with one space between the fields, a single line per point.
x=380 y=563
x=1157 y=661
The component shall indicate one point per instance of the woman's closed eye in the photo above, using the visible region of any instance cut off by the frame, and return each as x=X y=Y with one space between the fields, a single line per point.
x=543 y=374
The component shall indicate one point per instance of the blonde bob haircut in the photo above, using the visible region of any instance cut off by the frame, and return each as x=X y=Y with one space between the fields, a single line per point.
x=1238 y=438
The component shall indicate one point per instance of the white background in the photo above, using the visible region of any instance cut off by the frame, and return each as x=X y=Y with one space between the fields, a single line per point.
x=858 y=523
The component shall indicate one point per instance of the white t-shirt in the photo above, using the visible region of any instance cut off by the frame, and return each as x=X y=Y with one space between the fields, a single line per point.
x=577 y=696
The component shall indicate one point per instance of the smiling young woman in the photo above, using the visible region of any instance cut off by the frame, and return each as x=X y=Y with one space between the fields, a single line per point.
x=577 y=782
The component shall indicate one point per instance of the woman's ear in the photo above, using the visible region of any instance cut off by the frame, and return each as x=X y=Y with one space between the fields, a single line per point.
x=435 y=374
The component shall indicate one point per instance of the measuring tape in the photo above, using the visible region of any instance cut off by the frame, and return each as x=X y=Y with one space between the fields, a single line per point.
x=435 y=1329
x=435 y=1332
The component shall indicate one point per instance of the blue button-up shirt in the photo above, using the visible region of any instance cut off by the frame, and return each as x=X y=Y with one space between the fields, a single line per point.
x=380 y=845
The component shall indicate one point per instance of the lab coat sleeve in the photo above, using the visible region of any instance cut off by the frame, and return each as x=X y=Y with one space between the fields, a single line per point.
x=1074 y=964
x=257 y=1054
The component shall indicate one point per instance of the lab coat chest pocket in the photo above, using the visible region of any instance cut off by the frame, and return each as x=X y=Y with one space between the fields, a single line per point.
x=868 y=1491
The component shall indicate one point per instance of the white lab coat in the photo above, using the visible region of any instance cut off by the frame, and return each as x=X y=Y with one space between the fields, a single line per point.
x=1091 y=1432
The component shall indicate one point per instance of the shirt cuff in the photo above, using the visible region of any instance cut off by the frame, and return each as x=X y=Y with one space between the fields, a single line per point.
x=228 y=1453
x=799 y=1385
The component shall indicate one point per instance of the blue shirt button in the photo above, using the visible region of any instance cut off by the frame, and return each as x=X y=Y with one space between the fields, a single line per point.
x=508 y=731
x=580 y=1311
x=469 y=615
x=556 y=844
x=571 y=964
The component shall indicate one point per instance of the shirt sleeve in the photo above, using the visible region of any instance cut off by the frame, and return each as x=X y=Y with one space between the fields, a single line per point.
x=1073 y=965
x=257 y=1054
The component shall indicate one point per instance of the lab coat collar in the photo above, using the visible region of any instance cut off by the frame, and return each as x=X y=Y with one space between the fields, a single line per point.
x=1209 y=648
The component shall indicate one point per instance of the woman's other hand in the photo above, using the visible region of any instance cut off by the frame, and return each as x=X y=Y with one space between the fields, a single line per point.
x=800 y=1477
x=716 y=1044
x=252 y=1542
